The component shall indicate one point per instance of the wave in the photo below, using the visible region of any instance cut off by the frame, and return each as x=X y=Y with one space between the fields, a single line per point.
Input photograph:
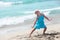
x=15 y=20
x=5 y=4
x=45 y=11
x=21 y=19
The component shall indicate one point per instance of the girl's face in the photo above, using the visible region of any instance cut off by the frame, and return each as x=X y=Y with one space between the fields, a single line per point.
x=37 y=12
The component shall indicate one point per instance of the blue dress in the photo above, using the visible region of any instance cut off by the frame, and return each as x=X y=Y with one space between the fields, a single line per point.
x=40 y=22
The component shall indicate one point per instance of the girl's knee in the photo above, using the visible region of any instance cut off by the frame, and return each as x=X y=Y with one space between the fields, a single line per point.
x=45 y=28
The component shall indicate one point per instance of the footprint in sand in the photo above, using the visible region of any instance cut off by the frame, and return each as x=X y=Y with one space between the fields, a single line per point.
x=51 y=35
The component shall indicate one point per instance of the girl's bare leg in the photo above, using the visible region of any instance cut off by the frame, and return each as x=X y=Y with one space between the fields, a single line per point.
x=33 y=29
x=44 y=30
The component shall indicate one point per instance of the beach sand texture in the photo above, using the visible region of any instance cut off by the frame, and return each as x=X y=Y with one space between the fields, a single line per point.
x=51 y=34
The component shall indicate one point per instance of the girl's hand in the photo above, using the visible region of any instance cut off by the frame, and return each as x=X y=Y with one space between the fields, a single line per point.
x=50 y=19
x=32 y=26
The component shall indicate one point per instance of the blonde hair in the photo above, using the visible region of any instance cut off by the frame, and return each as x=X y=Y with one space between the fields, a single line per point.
x=37 y=11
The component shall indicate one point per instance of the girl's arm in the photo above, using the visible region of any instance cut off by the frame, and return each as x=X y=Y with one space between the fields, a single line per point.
x=47 y=18
x=34 y=22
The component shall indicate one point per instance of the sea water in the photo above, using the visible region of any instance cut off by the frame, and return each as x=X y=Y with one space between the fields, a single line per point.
x=16 y=11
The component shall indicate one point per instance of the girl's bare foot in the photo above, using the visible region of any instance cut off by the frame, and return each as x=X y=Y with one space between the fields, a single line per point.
x=43 y=33
x=29 y=36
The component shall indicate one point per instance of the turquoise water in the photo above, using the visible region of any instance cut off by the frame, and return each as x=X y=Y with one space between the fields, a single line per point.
x=16 y=11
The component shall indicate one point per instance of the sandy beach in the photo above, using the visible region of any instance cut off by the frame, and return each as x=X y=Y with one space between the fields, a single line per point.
x=21 y=31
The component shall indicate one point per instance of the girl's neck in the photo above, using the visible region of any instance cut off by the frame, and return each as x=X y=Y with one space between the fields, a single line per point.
x=39 y=15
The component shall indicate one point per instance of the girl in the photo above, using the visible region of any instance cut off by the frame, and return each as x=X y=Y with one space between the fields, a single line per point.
x=39 y=23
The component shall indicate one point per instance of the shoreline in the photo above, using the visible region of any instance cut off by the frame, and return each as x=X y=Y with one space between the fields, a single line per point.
x=14 y=31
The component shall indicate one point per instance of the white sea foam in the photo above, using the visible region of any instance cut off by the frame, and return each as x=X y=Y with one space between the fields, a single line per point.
x=8 y=4
x=5 y=4
x=15 y=20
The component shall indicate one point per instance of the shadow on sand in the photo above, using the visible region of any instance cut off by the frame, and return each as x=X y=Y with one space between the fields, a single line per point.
x=48 y=36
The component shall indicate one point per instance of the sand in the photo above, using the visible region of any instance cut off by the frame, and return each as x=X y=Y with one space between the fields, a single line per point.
x=15 y=33
x=51 y=34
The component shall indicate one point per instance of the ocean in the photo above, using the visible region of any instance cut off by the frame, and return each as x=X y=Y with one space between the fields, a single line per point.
x=17 y=11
